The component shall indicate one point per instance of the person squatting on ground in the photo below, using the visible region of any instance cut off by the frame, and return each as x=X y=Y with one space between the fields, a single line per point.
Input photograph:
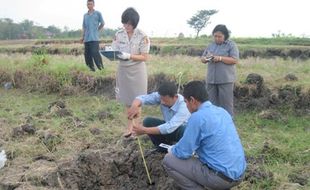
x=210 y=153
x=175 y=115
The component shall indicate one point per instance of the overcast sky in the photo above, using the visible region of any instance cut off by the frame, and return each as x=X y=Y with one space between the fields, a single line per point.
x=245 y=18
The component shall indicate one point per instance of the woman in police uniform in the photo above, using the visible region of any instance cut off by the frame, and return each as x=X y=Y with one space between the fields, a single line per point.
x=131 y=79
x=221 y=55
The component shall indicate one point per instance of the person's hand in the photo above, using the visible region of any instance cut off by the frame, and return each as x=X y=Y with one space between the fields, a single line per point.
x=207 y=59
x=138 y=129
x=124 y=56
x=82 y=40
x=217 y=58
x=133 y=112
x=203 y=59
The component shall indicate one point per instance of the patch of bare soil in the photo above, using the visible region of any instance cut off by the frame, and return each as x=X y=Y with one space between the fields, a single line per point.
x=59 y=109
x=291 y=77
x=27 y=176
x=35 y=81
x=23 y=130
x=4 y=77
x=88 y=83
x=117 y=167
x=103 y=115
x=303 y=102
x=253 y=94
x=256 y=171
x=301 y=176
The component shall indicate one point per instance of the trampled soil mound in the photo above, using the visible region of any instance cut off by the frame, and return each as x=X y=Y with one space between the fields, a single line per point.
x=254 y=94
x=118 y=167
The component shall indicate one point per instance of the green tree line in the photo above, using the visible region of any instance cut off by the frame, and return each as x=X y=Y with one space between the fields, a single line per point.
x=27 y=29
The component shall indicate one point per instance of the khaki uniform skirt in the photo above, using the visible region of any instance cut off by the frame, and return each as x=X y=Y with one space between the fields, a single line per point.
x=131 y=81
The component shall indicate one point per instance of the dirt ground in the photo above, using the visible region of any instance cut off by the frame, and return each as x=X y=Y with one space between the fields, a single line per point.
x=117 y=167
x=120 y=166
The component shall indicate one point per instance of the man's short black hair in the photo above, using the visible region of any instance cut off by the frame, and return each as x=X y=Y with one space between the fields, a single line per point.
x=195 y=89
x=91 y=1
x=223 y=29
x=168 y=89
x=130 y=16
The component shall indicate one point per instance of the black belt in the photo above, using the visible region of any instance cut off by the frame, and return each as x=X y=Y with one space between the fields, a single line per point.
x=224 y=177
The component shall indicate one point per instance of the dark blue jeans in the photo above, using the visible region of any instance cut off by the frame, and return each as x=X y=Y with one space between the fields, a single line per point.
x=92 y=55
x=168 y=138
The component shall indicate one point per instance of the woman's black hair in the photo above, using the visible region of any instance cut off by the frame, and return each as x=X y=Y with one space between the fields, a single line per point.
x=130 y=16
x=223 y=29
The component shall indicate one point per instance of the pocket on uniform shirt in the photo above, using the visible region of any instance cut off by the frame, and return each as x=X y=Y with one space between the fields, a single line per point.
x=224 y=51
x=135 y=48
x=123 y=47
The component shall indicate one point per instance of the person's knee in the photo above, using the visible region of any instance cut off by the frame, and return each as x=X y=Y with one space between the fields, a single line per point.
x=168 y=159
x=148 y=122
x=152 y=122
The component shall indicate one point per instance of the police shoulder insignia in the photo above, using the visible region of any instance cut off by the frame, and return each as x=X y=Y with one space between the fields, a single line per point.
x=146 y=40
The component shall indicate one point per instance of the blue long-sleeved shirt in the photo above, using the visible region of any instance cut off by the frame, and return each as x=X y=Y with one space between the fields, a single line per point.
x=211 y=133
x=175 y=116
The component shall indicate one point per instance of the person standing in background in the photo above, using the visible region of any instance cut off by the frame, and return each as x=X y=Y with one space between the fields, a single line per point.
x=221 y=55
x=92 y=24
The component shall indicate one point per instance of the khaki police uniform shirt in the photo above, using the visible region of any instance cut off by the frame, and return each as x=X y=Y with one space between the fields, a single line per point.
x=138 y=44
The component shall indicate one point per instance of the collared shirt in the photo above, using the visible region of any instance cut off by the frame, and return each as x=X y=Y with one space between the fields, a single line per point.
x=219 y=73
x=174 y=116
x=138 y=44
x=211 y=133
x=91 y=23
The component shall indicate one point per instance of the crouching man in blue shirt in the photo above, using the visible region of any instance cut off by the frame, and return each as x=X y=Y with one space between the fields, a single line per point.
x=210 y=154
x=168 y=130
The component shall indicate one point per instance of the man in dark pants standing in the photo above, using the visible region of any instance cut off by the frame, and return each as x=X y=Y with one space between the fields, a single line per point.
x=92 y=24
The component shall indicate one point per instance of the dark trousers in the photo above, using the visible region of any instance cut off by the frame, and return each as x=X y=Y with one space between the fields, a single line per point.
x=92 y=55
x=222 y=95
x=167 y=138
